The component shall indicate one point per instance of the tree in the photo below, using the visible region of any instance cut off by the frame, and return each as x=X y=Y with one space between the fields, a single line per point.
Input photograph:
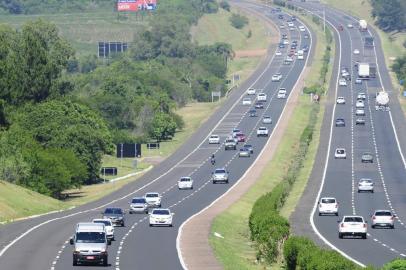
x=390 y=14
x=225 y=5
x=162 y=127
x=238 y=21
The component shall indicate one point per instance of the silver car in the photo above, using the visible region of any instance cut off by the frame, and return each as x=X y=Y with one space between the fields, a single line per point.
x=244 y=152
x=138 y=205
x=367 y=158
x=220 y=175
x=383 y=218
x=365 y=184
x=267 y=119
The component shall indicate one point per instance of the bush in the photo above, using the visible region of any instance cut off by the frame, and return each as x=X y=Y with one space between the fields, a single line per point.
x=281 y=3
x=397 y=264
x=238 y=21
x=225 y=5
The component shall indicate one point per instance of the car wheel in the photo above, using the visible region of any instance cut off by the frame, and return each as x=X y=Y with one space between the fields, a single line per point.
x=364 y=236
x=337 y=214
x=393 y=226
x=130 y=212
x=340 y=235
x=372 y=191
x=373 y=226
x=150 y=225
x=226 y=181
x=105 y=261
x=75 y=262
x=359 y=191
x=122 y=224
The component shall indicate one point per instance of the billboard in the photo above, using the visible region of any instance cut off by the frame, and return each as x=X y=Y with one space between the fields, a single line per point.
x=136 y=5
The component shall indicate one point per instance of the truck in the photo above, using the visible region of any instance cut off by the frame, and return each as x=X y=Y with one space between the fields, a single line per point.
x=300 y=55
x=372 y=70
x=363 y=70
x=90 y=244
x=363 y=26
x=382 y=101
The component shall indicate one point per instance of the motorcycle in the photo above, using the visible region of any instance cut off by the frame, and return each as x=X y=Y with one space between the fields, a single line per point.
x=213 y=161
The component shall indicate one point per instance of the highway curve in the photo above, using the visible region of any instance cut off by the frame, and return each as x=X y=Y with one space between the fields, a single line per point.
x=42 y=243
x=383 y=136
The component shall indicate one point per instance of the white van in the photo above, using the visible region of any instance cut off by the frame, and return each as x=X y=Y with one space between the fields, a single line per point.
x=300 y=54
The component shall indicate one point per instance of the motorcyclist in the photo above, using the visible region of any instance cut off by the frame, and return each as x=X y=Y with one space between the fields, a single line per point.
x=212 y=159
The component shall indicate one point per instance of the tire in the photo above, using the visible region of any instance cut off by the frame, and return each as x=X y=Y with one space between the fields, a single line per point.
x=340 y=235
x=214 y=182
x=319 y=214
x=393 y=226
x=373 y=226
x=105 y=261
x=337 y=214
x=130 y=212
x=372 y=191
x=150 y=225
x=227 y=182
x=75 y=262
x=364 y=236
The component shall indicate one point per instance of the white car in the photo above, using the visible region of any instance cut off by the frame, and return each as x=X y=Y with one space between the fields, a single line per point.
x=350 y=26
x=359 y=104
x=281 y=93
x=358 y=81
x=185 y=183
x=383 y=218
x=361 y=96
x=266 y=120
x=138 y=205
x=365 y=184
x=214 y=139
x=262 y=131
x=153 y=199
x=340 y=153
x=356 y=51
x=328 y=205
x=251 y=91
x=108 y=225
x=340 y=100
x=278 y=53
x=246 y=101
x=302 y=28
x=282 y=26
x=342 y=82
x=290 y=24
x=285 y=42
x=360 y=112
x=261 y=97
x=292 y=28
x=352 y=225
x=288 y=59
x=160 y=217
x=276 y=77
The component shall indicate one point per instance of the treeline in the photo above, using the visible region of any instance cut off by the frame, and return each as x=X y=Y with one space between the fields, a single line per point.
x=59 y=116
x=399 y=67
x=390 y=14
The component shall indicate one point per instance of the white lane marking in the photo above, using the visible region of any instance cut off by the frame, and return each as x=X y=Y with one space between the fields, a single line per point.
x=179 y=251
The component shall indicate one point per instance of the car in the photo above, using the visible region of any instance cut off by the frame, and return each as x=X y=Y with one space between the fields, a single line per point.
x=360 y=112
x=280 y=16
x=220 y=175
x=252 y=113
x=240 y=137
x=261 y=97
x=340 y=100
x=246 y=101
x=266 y=119
x=138 y=205
x=282 y=26
x=281 y=45
x=361 y=96
x=281 y=93
x=185 y=182
x=328 y=205
x=259 y=105
x=350 y=26
x=342 y=82
x=230 y=143
x=244 y=152
x=340 y=27
x=367 y=157
x=383 y=218
x=358 y=81
x=249 y=147
x=293 y=46
x=276 y=77
x=290 y=24
x=359 y=104
x=262 y=132
x=235 y=131
x=288 y=59
x=287 y=62
x=292 y=28
x=285 y=42
x=284 y=36
x=278 y=53
x=214 y=139
x=115 y=214
x=306 y=36
x=108 y=225
x=251 y=91
x=360 y=121
x=153 y=199
x=302 y=28
x=305 y=48
x=365 y=184
x=356 y=51
x=160 y=217
x=352 y=225
x=340 y=122
x=340 y=153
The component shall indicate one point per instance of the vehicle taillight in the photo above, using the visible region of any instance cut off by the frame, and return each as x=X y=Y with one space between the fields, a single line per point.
x=336 y=205
x=342 y=225
x=373 y=217
x=391 y=217
x=365 y=225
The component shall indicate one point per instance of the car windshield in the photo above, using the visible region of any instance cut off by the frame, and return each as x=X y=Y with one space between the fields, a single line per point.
x=90 y=237
x=113 y=211
x=353 y=219
x=367 y=155
x=340 y=151
x=328 y=200
x=383 y=213
x=248 y=146
x=185 y=179
x=105 y=222
x=160 y=212
x=138 y=200
x=151 y=195
x=214 y=136
x=365 y=181
x=220 y=171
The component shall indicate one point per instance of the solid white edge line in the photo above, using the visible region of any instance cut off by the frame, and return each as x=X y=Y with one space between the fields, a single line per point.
x=149 y=183
x=311 y=217
x=179 y=251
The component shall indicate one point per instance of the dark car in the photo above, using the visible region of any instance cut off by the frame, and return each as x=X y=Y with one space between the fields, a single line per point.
x=252 y=113
x=340 y=122
x=360 y=121
x=115 y=214
x=259 y=105
x=281 y=45
x=305 y=48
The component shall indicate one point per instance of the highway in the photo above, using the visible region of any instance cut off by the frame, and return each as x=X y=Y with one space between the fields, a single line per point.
x=383 y=136
x=42 y=243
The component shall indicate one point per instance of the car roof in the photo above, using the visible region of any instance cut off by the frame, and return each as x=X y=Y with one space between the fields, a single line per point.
x=328 y=198
x=164 y=209
x=221 y=169
x=90 y=227
x=151 y=193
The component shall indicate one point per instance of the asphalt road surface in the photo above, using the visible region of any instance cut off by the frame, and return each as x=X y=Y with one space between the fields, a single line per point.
x=383 y=135
x=42 y=243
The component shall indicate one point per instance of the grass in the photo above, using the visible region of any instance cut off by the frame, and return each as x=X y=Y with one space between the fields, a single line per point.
x=392 y=44
x=85 y=30
x=235 y=250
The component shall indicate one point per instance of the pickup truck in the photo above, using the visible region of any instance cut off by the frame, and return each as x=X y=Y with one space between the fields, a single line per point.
x=230 y=143
x=262 y=131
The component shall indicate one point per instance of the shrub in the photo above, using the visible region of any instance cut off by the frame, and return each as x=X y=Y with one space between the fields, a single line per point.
x=238 y=21
x=225 y=5
x=397 y=264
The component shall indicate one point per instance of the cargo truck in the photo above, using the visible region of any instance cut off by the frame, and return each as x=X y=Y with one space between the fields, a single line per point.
x=363 y=70
x=363 y=26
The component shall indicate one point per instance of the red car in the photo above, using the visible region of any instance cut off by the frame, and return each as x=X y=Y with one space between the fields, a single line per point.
x=240 y=137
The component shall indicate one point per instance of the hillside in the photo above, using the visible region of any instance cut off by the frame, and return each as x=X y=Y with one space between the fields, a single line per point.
x=17 y=202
